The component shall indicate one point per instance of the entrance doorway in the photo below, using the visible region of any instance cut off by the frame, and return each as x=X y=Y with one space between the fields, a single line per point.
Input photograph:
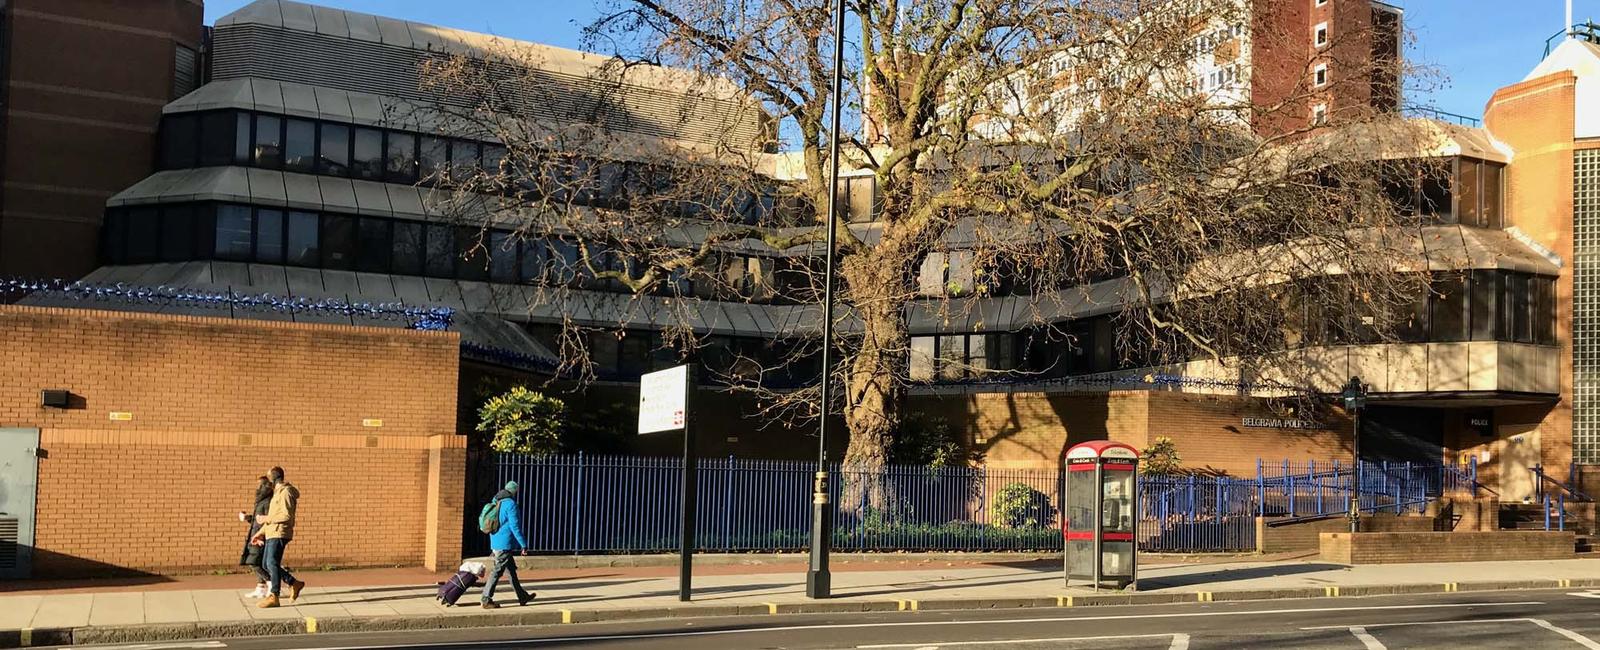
x=19 y=484
x=1519 y=453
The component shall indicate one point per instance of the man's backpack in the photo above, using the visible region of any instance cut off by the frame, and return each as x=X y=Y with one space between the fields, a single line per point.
x=489 y=519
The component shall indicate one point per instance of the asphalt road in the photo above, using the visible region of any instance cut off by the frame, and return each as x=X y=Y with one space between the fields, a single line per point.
x=1525 y=620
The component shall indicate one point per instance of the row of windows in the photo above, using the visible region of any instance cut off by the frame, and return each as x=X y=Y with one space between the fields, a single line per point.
x=627 y=354
x=1482 y=305
x=1461 y=190
x=306 y=146
x=205 y=231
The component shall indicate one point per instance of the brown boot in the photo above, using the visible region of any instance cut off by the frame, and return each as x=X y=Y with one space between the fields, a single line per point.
x=294 y=590
x=269 y=601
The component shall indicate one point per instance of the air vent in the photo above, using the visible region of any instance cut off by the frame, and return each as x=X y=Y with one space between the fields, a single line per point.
x=9 y=529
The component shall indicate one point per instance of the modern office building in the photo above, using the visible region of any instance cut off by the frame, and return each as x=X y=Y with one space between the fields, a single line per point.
x=288 y=172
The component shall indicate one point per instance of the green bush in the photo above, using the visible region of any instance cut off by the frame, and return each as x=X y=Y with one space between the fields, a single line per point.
x=1161 y=458
x=1018 y=506
x=522 y=421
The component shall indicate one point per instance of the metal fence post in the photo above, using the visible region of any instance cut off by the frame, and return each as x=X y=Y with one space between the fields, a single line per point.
x=577 y=504
x=727 y=505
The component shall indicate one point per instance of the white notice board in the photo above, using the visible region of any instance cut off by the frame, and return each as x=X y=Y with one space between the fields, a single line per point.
x=661 y=400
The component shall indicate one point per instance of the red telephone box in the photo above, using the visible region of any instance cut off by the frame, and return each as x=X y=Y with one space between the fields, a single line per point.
x=1101 y=517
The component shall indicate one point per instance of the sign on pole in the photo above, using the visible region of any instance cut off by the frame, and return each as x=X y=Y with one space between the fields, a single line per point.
x=662 y=397
x=664 y=406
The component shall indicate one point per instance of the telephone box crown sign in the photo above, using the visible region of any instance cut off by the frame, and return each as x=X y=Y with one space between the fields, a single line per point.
x=1102 y=449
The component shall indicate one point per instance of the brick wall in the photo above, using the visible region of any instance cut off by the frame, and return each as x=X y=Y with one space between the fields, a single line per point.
x=1535 y=118
x=1403 y=548
x=214 y=403
x=1035 y=429
x=1306 y=535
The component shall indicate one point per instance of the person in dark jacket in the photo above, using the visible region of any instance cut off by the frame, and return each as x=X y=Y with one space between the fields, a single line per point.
x=506 y=542
x=251 y=556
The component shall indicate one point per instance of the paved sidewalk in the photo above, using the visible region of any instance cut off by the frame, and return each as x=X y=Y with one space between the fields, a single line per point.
x=600 y=594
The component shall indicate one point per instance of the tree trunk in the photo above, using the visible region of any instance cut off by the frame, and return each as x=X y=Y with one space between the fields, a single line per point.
x=874 y=392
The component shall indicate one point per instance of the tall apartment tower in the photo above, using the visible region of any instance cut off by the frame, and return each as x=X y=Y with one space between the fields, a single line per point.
x=82 y=83
x=1335 y=56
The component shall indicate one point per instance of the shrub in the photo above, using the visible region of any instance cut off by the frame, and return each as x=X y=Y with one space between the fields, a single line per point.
x=1018 y=506
x=523 y=422
x=1161 y=458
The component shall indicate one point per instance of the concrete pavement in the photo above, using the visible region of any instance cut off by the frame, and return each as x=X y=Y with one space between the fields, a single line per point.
x=609 y=595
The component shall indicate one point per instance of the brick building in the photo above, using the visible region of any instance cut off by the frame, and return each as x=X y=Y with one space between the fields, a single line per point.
x=82 y=83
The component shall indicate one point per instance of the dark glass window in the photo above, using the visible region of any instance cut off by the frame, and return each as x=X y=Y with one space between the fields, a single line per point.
x=432 y=156
x=269 y=142
x=217 y=138
x=463 y=159
x=205 y=230
x=302 y=245
x=367 y=163
x=1436 y=195
x=1467 y=185
x=300 y=145
x=177 y=233
x=1490 y=207
x=472 y=261
x=441 y=250
x=532 y=268
x=1514 y=322
x=563 y=262
x=502 y=257
x=1002 y=352
x=114 y=237
x=374 y=245
x=334 y=146
x=407 y=258
x=338 y=242
x=492 y=155
x=241 y=138
x=634 y=356
x=1449 y=319
x=144 y=235
x=1544 y=310
x=604 y=349
x=1105 y=344
x=401 y=156
x=269 y=236
x=179 y=141
x=1411 y=323
x=234 y=233
x=1485 y=295
x=952 y=357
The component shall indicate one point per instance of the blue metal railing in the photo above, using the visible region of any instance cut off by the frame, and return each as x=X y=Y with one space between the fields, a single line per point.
x=610 y=504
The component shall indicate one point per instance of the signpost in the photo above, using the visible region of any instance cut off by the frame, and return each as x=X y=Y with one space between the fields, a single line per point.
x=664 y=406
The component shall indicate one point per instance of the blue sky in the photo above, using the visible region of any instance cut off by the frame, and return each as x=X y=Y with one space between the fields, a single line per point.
x=1478 y=45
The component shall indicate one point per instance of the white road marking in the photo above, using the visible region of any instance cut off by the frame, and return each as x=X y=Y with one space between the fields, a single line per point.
x=1373 y=644
x=1578 y=638
x=1176 y=640
x=1367 y=640
x=856 y=626
x=1592 y=593
x=165 y=646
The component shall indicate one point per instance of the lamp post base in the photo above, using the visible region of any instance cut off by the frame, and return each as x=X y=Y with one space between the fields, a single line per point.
x=819 y=583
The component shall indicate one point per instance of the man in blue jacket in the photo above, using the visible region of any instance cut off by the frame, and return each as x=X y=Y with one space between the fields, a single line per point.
x=506 y=541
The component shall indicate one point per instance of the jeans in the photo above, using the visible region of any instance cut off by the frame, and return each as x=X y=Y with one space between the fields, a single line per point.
x=504 y=562
x=272 y=561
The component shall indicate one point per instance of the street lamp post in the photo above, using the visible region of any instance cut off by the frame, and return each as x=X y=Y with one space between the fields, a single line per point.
x=1355 y=400
x=818 y=579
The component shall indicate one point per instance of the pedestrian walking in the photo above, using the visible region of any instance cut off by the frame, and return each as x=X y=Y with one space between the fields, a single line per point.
x=251 y=556
x=499 y=519
x=276 y=531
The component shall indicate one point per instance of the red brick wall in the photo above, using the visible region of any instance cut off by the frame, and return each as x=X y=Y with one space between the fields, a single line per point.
x=214 y=403
x=1035 y=429
x=1306 y=536
x=1404 y=548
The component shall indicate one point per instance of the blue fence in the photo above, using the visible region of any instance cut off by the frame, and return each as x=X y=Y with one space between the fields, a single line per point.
x=607 y=504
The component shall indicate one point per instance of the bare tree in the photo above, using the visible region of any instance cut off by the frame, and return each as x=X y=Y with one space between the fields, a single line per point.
x=1062 y=151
